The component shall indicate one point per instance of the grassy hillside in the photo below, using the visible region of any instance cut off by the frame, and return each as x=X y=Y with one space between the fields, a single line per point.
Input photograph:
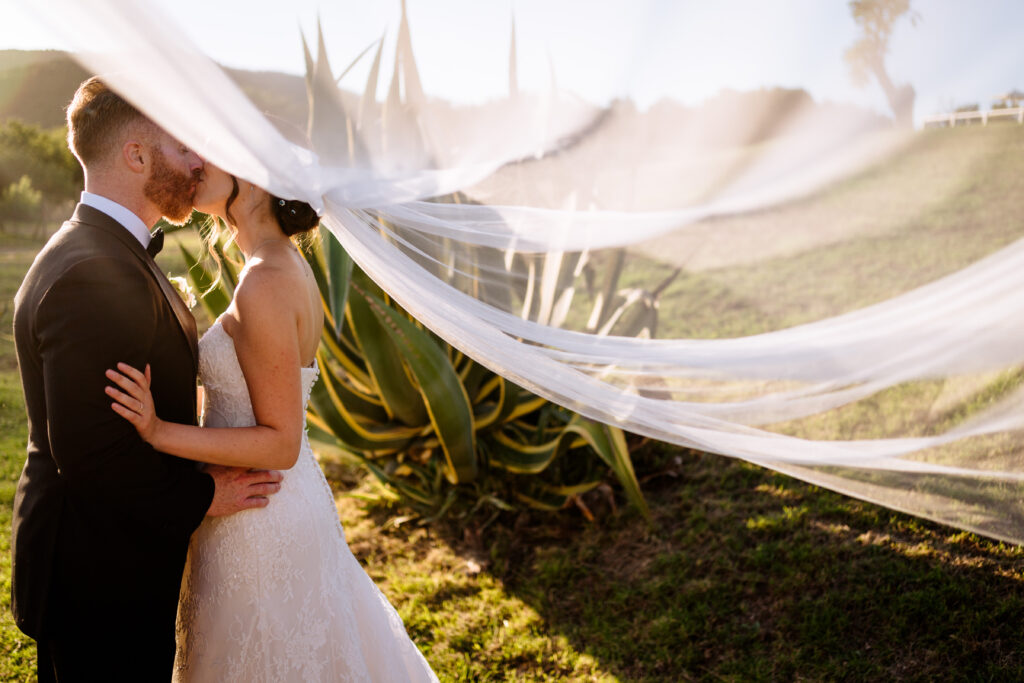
x=951 y=197
x=36 y=86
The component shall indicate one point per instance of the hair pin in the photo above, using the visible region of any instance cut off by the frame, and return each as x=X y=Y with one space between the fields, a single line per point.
x=280 y=202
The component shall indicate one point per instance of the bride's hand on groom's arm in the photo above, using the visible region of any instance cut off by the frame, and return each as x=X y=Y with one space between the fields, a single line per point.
x=134 y=400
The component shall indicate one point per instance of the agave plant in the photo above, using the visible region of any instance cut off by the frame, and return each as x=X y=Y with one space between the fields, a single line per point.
x=439 y=430
x=442 y=432
x=399 y=122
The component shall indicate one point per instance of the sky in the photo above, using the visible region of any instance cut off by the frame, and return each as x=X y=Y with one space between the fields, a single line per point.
x=957 y=53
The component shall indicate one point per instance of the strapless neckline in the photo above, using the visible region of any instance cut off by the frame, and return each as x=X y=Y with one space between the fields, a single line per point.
x=227 y=401
x=314 y=367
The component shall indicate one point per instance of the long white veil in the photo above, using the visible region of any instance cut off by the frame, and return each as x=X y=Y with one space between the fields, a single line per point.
x=811 y=281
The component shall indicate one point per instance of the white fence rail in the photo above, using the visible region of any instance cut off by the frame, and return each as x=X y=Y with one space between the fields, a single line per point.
x=969 y=117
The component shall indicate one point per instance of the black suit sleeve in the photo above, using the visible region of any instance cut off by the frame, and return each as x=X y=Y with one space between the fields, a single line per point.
x=100 y=312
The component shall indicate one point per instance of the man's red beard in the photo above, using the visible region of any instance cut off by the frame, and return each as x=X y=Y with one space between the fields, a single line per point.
x=170 y=190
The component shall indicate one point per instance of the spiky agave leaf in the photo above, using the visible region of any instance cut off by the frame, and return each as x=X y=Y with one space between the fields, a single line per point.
x=327 y=113
x=384 y=357
x=442 y=392
x=368 y=102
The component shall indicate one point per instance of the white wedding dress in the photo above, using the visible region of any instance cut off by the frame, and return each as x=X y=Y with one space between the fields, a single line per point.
x=275 y=594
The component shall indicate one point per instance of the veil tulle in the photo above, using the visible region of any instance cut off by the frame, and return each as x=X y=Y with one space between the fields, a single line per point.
x=807 y=285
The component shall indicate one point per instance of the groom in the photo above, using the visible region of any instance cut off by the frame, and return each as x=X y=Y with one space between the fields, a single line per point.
x=102 y=521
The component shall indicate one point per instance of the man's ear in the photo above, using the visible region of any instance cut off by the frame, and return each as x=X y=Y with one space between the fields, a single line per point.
x=134 y=155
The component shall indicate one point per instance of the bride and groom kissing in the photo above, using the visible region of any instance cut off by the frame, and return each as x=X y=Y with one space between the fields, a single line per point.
x=145 y=547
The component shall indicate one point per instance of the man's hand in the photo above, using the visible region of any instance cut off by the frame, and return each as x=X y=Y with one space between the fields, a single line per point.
x=240 y=489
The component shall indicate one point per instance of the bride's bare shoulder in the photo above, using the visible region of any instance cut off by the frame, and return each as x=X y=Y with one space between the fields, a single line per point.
x=276 y=265
x=271 y=283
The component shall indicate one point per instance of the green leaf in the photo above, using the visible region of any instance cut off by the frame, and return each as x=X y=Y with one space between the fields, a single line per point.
x=369 y=98
x=365 y=407
x=212 y=294
x=514 y=452
x=349 y=359
x=610 y=445
x=540 y=499
x=347 y=428
x=513 y=456
x=384 y=358
x=495 y=413
x=314 y=256
x=572 y=489
x=444 y=396
x=473 y=377
x=339 y=265
x=417 y=495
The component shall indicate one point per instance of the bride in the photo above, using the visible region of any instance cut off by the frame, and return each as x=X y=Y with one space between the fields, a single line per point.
x=272 y=594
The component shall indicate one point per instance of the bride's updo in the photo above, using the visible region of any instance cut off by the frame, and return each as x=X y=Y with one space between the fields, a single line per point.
x=295 y=217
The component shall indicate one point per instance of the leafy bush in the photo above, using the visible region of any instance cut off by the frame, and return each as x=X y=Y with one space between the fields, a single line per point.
x=43 y=156
x=20 y=201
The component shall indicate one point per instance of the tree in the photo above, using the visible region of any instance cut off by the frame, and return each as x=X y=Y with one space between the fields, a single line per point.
x=20 y=202
x=43 y=156
x=866 y=57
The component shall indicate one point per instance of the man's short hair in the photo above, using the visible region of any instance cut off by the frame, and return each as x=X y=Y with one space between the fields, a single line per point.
x=97 y=120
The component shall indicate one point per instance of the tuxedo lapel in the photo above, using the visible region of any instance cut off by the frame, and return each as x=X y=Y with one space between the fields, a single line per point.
x=181 y=312
x=95 y=218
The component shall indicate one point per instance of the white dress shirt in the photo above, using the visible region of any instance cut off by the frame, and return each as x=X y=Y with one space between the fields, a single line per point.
x=129 y=220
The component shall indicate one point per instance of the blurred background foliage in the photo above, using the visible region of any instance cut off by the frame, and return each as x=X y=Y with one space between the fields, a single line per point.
x=39 y=178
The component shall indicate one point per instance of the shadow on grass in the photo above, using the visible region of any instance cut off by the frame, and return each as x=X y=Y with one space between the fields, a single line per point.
x=747 y=575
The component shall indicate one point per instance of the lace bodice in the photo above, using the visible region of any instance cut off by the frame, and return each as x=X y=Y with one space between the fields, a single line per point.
x=274 y=594
x=227 y=402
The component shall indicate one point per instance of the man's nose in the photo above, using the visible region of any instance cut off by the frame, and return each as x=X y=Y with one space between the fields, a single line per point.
x=195 y=162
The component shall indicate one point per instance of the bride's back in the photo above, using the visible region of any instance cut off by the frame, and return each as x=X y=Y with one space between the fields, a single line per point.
x=277 y=287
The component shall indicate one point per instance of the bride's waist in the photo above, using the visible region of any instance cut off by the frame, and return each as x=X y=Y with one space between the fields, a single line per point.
x=305 y=470
x=294 y=505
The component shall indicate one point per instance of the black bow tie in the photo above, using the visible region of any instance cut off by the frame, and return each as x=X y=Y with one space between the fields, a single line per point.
x=156 y=243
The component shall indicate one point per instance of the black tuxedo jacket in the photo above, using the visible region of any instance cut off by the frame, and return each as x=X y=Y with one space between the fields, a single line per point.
x=101 y=520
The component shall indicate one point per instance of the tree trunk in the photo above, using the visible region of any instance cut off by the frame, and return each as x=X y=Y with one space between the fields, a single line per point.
x=901 y=98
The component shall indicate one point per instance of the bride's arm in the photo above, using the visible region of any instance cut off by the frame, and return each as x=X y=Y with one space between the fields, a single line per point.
x=265 y=334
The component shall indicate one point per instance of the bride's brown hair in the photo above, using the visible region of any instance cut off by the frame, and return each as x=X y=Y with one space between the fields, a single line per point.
x=296 y=218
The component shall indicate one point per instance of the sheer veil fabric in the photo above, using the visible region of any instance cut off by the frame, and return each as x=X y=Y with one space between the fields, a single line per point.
x=764 y=274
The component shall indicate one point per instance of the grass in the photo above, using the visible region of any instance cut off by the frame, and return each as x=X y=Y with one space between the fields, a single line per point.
x=17 y=652
x=948 y=200
x=745 y=574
